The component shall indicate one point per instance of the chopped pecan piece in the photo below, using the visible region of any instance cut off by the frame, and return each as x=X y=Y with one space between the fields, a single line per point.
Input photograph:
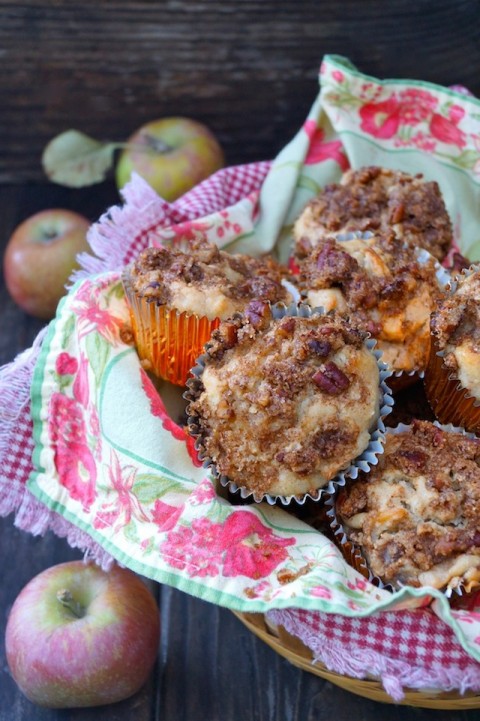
x=331 y=379
x=256 y=313
x=320 y=347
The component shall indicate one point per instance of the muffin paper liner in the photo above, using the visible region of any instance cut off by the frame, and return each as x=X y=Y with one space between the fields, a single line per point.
x=167 y=340
x=363 y=462
x=352 y=551
x=449 y=399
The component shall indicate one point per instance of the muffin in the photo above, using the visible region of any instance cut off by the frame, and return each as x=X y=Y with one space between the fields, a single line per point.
x=452 y=378
x=178 y=294
x=414 y=517
x=379 y=200
x=384 y=286
x=285 y=401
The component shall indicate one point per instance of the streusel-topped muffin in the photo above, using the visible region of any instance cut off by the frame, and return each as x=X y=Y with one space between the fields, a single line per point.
x=452 y=379
x=284 y=404
x=415 y=515
x=177 y=295
x=383 y=286
x=205 y=280
x=380 y=200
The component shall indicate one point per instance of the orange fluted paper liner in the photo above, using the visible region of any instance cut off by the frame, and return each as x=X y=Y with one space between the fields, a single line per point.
x=450 y=402
x=168 y=342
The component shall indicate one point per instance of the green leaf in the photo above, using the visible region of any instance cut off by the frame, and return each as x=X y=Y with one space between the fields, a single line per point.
x=75 y=160
x=98 y=350
x=308 y=184
x=468 y=159
x=131 y=533
x=68 y=330
x=115 y=291
x=150 y=486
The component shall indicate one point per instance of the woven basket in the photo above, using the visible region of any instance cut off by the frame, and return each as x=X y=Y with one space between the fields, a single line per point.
x=299 y=655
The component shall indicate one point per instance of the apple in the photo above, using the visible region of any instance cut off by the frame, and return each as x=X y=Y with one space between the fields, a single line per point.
x=79 y=636
x=171 y=154
x=40 y=256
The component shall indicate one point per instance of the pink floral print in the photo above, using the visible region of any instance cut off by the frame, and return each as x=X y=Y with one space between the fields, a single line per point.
x=447 y=130
x=321 y=592
x=204 y=493
x=73 y=459
x=93 y=315
x=321 y=150
x=242 y=546
x=381 y=119
x=80 y=384
x=181 y=232
x=124 y=505
x=409 y=117
x=66 y=364
x=158 y=410
x=252 y=549
x=166 y=516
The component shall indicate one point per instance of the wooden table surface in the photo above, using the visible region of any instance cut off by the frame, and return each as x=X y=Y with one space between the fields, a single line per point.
x=247 y=69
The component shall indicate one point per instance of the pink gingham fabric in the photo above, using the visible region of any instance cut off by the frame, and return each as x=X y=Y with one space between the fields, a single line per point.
x=405 y=649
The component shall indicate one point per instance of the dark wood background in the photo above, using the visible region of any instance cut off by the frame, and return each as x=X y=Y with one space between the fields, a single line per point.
x=249 y=71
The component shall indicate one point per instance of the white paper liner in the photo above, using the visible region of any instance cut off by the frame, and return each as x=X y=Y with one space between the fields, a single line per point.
x=368 y=458
x=342 y=536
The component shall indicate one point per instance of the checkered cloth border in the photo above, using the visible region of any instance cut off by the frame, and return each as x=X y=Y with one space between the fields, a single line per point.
x=418 y=637
x=226 y=187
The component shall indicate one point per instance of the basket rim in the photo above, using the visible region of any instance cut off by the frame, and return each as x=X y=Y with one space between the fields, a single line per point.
x=299 y=655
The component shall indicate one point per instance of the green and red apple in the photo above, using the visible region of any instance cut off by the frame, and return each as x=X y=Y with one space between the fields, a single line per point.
x=78 y=636
x=171 y=154
x=40 y=257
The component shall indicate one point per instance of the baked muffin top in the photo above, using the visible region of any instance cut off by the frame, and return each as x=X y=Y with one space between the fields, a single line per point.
x=415 y=515
x=204 y=280
x=455 y=326
x=378 y=199
x=382 y=286
x=284 y=404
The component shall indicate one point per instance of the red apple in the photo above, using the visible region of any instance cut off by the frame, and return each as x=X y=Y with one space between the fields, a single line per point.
x=40 y=257
x=171 y=154
x=78 y=636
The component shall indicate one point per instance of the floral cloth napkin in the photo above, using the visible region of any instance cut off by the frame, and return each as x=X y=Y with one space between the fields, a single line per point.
x=113 y=469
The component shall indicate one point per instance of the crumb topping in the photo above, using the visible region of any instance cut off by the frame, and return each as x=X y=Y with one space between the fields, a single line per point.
x=415 y=515
x=455 y=326
x=206 y=280
x=285 y=404
x=378 y=199
x=379 y=283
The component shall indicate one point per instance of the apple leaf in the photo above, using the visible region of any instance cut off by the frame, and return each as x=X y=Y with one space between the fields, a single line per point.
x=75 y=159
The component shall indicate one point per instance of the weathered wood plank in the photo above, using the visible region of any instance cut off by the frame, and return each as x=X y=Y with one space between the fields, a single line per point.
x=247 y=69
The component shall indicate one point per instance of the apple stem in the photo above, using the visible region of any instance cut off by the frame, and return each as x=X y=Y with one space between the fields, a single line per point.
x=158 y=145
x=67 y=600
x=153 y=146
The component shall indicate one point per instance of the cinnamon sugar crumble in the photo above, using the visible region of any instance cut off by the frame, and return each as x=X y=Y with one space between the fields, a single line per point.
x=378 y=199
x=206 y=277
x=415 y=515
x=383 y=288
x=455 y=324
x=263 y=417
